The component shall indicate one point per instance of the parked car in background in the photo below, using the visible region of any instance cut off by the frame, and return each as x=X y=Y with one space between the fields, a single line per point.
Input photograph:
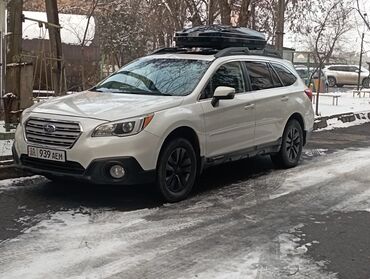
x=304 y=72
x=340 y=75
x=309 y=75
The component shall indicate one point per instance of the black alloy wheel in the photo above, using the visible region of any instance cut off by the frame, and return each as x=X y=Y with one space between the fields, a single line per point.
x=291 y=147
x=176 y=170
x=293 y=143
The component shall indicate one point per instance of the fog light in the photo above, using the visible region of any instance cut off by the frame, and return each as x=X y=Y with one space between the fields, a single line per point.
x=117 y=171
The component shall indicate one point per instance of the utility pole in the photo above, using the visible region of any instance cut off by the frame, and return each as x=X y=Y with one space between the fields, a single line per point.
x=364 y=17
x=58 y=77
x=360 y=64
x=2 y=47
x=279 y=34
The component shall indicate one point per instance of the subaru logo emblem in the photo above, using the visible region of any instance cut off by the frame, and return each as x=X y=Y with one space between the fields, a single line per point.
x=49 y=128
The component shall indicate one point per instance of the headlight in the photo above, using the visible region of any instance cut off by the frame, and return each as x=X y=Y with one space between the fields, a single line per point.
x=123 y=128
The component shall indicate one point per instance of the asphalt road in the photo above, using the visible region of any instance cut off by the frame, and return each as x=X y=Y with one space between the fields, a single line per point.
x=245 y=220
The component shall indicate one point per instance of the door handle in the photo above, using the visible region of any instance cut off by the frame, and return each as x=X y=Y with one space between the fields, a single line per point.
x=251 y=106
x=284 y=99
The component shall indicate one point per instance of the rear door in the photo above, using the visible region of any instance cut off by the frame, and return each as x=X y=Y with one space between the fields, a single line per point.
x=270 y=97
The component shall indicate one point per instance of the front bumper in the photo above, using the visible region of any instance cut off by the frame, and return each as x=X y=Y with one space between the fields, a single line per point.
x=89 y=157
x=96 y=173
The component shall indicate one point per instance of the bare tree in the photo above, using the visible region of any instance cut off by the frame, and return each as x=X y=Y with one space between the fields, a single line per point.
x=328 y=29
x=94 y=5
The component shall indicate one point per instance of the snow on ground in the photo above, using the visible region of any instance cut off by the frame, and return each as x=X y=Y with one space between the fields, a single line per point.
x=14 y=184
x=6 y=147
x=346 y=103
x=100 y=243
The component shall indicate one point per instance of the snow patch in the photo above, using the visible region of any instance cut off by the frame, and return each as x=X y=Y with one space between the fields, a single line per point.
x=346 y=104
x=336 y=123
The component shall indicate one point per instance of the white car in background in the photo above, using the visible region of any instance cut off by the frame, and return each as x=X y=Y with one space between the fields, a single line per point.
x=164 y=118
x=340 y=75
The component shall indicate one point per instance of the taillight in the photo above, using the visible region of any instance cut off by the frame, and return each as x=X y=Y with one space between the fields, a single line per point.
x=308 y=93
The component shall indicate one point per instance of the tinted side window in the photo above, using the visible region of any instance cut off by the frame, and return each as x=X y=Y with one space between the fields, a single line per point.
x=342 y=69
x=259 y=75
x=231 y=75
x=275 y=78
x=285 y=75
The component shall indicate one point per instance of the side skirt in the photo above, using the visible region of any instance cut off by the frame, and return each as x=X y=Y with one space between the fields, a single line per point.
x=264 y=149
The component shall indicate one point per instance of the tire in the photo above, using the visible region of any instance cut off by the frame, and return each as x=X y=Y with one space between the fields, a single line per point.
x=366 y=83
x=177 y=170
x=332 y=81
x=291 y=146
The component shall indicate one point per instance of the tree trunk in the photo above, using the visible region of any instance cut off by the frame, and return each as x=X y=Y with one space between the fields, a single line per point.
x=244 y=13
x=14 y=48
x=253 y=15
x=211 y=11
x=56 y=47
x=225 y=12
x=279 y=35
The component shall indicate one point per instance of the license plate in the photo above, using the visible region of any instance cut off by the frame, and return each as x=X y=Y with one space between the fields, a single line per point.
x=46 y=154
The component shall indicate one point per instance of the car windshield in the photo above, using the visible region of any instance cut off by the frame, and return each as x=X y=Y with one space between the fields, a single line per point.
x=153 y=76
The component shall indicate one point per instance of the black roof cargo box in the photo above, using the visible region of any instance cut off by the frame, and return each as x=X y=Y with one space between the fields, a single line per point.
x=220 y=37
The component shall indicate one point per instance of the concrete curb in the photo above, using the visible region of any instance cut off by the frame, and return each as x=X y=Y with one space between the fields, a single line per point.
x=322 y=122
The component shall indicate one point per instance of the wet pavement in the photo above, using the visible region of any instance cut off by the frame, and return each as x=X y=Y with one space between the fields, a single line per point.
x=244 y=220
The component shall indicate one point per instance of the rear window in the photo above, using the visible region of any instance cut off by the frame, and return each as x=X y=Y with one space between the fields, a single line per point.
x=259 y=75
x=286 y=76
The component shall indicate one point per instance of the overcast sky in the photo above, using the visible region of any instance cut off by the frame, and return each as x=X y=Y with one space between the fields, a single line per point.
x=351 y=40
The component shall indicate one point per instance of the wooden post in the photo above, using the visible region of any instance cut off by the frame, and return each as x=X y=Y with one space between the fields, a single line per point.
x=56 y=47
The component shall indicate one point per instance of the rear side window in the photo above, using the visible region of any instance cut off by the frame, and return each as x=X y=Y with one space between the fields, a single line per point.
x=275 y=78
x=259 y=75
x=287 y=77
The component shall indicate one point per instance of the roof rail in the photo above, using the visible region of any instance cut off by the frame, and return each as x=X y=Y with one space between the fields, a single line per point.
x=232 y=51
x=218 y=53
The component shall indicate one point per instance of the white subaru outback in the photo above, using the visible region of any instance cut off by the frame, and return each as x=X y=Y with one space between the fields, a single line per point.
x=165 y=117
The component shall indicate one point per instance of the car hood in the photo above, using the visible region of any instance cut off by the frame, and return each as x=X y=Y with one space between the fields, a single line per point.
x=106 y=106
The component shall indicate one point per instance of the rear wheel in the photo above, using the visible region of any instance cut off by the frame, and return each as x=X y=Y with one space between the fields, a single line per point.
x=332 y=81
x=291 y=146
x=366 y=83
x=177 y=170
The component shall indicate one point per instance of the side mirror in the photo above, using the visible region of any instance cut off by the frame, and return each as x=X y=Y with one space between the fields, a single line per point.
x=223 y=93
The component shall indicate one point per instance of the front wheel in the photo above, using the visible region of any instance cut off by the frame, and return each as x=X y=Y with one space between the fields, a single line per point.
x=291 y=146
x=177 y=170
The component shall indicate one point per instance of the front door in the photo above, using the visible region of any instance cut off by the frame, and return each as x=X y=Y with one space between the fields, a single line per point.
x=230 y=125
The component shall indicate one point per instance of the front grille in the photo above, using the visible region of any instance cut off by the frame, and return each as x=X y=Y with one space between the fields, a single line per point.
x=63 y=134
x=63 y=167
